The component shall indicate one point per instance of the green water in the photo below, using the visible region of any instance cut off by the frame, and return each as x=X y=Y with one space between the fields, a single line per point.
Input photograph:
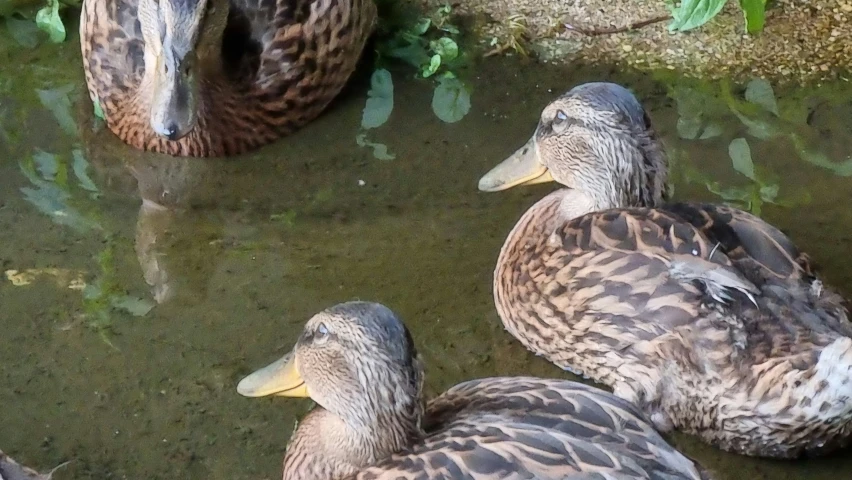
x=241 y=252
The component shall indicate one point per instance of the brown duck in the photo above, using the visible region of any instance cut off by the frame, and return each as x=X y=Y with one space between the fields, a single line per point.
x=358 y=362
x=706 y=317
x=218 y=77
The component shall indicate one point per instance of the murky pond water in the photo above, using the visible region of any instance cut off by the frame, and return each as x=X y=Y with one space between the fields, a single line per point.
x=139 y=288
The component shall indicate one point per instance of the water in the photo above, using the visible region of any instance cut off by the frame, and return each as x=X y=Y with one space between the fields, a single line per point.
x=249 y=248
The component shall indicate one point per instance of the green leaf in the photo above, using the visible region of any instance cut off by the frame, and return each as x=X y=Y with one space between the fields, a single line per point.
x=380 y=150
x=732 y=194
x=80 y=166
x=25 y=32
x=138 y=307
x=380 y=100
x=769 y=192
x=48 y=20
x=692 y=128
x=432 y=67
x=758 y=128
x=451 y=100
x=446 y=48
x=754 y=12
x=99 y=112
x=47 y=164
x=452 y=29
x=759 y=92
x=741 y=157
x=808 y=154
x=694 y=13
x=421 y=26
x=58 y=102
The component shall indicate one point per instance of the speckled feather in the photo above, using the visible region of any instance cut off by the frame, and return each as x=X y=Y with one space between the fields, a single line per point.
x=360 y=364
x=523 y=428
x=308 y=50
x=707 y=317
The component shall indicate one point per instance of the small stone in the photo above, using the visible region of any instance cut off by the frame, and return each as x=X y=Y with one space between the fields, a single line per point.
x=626 y=47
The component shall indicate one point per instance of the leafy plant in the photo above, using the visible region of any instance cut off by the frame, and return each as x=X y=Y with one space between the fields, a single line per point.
x=429 y=44
x=701 y=114
x=690 y=14
x=758 y=192
x=48 y=18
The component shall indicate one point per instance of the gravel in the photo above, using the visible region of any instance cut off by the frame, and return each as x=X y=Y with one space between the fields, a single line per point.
x=802 y=42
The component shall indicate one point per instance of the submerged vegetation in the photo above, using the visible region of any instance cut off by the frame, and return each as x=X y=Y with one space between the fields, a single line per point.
x=430 y=45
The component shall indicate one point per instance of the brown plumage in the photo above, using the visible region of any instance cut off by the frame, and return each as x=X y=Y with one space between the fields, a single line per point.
x=357 y=360
x=706 y=317
x=218 y=77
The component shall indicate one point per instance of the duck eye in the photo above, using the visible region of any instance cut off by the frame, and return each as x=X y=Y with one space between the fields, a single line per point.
x=322 y=331
x=560 y=117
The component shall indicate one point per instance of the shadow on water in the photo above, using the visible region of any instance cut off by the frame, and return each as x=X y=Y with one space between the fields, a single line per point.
x=139 y=288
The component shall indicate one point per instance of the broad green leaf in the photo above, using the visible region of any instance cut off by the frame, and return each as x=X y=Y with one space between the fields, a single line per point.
x=739 y=194
x=446 y=48
x=692 y=128
x=99 y=112
x=450 y=29
x=137 y=307
x=711 y=130
x=758 y=128
x=759 y=92
x=25 y=32
x=451 y=100
x=58 y=102
x=754 y=12
x=421 y=26
x=688 y=128
x=843 y=169
x=694 y=13
x=769 y=192
x=380 y=100
x=48 y=20
x=414 y=54
x=380 y=150
x=432 y=67
x=741 y=157
x=80 y=166
x=47 y=164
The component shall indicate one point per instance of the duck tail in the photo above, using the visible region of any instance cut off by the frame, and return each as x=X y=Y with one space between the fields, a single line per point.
x=831 y=384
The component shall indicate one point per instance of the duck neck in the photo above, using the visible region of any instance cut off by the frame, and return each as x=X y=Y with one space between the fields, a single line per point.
x=327 y=447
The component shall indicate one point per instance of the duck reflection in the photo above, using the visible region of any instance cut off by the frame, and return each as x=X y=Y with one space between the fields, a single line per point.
x=178 y=225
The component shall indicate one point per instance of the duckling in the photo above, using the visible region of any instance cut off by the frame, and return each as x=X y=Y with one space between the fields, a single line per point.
x=706 y=317
x=358 y=362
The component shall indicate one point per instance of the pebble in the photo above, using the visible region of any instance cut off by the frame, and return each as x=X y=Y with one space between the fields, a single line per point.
x=795 y=38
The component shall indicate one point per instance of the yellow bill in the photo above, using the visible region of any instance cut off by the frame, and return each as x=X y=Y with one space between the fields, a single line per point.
x=521 y=168
x=280 y=378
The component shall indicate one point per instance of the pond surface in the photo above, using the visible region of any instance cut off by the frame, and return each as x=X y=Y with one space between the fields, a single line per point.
x=139 y=289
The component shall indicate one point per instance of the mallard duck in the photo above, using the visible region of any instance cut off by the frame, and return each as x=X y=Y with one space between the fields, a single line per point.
x=218 y=77
x=358 y=362
x=12 y=470
x=706 y=317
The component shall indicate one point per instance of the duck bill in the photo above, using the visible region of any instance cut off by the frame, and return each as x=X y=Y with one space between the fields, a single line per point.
x=280 y=378
x=174 y=106
x=522 y=168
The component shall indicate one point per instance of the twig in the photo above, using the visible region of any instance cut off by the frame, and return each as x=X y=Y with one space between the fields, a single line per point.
x=592 y=32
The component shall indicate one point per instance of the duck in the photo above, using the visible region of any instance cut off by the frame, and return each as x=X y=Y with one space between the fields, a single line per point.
x=707 y=318
x=203 y=78
x=358 y=362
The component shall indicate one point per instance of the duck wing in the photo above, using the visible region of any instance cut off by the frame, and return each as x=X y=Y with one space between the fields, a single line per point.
x=524 y=428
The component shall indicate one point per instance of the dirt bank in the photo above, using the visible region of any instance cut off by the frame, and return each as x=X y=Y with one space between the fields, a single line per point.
x=803 y=41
